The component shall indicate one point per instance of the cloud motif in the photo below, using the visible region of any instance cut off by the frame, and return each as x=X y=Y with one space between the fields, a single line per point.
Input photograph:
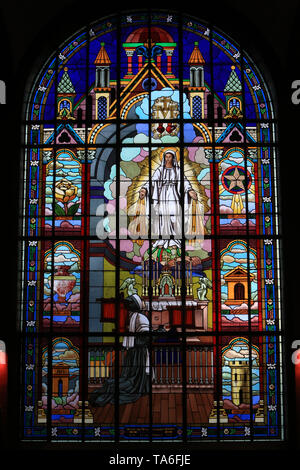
x=130 y=153
x=107 y=191
x=68 y=355
x=143 y=110
x=107 y=185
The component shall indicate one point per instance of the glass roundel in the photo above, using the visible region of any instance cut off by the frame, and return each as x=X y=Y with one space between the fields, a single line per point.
x=150 y=239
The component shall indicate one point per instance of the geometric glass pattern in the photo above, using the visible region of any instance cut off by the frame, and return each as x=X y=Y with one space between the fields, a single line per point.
x=197 y=107
x=102 y=108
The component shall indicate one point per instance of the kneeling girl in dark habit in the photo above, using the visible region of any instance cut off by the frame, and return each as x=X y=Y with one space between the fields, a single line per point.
x=134 y=377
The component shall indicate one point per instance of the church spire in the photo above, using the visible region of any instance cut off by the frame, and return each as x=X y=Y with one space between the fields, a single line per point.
x=102 y=57
x=196 y=88
x=65 y=85
x=65 y=96
x=196 y=57
x=102 y=63
x=233 y=84
x=102 y=83
x=233 y=95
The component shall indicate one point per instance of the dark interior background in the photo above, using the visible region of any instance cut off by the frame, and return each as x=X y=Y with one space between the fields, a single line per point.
x=29 y=32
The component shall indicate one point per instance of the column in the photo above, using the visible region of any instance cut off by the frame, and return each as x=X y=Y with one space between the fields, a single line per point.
x=140 y=62
x=129 y=53
x=158 y=62
x=169 y=53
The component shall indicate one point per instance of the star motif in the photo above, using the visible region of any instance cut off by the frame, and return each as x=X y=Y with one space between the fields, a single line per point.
x=235 y=180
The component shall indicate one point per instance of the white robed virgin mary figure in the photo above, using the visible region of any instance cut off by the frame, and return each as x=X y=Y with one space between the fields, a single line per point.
x=166 y=209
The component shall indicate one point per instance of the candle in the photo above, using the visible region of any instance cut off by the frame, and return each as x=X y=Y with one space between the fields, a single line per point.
x=296 y=362
x=3 y=383
x=297 y=383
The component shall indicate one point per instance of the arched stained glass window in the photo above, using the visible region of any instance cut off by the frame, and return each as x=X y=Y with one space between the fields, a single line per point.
x=102 y=107
x=197 y=107
x=150 y=273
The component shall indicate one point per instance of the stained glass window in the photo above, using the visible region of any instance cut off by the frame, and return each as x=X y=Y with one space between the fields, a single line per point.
x=150 y=304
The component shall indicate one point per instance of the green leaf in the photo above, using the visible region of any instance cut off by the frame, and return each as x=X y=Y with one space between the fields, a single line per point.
x=58 y=210
x=73 y=209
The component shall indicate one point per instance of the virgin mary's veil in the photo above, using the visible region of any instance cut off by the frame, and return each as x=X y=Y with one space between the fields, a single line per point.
x=173 y=153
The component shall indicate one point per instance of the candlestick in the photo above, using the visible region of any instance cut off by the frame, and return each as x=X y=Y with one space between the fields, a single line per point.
x=3 y=387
